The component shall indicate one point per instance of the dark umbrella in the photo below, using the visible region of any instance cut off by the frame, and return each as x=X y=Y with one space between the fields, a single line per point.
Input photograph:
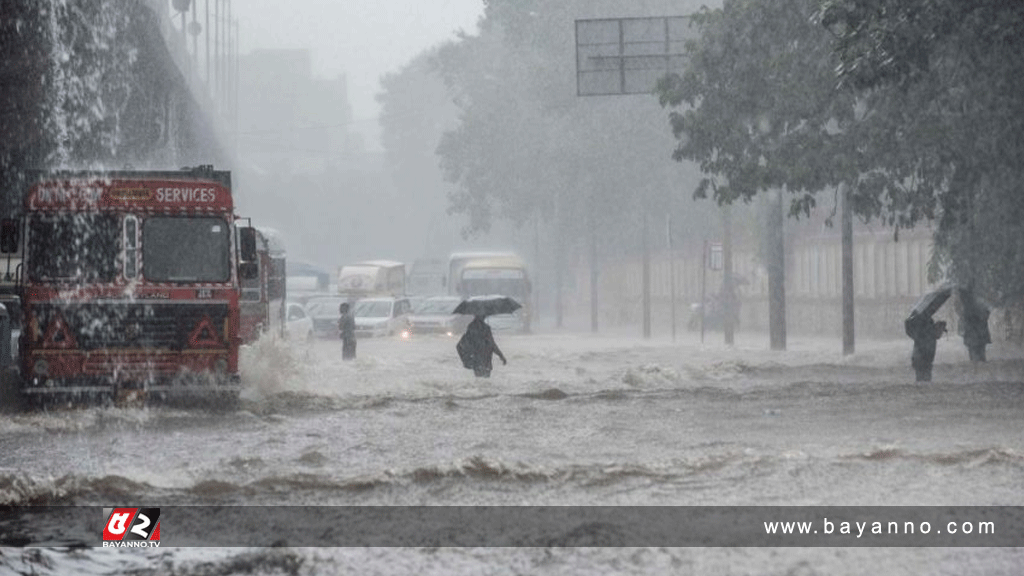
x=919 y=321
x=487 y=306
x=930 y=303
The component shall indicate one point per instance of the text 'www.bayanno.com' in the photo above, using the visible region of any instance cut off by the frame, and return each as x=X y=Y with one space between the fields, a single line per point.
x=859 y=529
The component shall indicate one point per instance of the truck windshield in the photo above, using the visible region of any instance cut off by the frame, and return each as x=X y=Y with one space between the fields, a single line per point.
x=180 y=249
x=82 y=247
x=514 y=287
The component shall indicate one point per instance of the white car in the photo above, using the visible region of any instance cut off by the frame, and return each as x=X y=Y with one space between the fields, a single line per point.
x=298 y=323
x=435 y=316
x=382 y=316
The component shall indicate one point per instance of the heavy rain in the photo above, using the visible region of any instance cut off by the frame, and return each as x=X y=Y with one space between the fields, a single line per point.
x=511 y=287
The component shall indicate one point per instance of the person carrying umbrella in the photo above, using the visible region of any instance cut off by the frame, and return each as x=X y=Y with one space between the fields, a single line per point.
x=925 y=331
x=477 y=347
x=974 y=325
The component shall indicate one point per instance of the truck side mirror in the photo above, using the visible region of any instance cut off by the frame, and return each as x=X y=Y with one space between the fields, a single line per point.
x=247 y=242
x=9 y=236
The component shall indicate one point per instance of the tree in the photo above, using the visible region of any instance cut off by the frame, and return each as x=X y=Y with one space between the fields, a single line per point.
x=944 y=80
x=759 y=104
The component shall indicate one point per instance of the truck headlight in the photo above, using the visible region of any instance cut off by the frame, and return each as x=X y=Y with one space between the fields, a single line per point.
x=41 y=368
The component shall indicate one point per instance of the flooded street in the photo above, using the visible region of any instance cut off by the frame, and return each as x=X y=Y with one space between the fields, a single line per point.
x=572 y=420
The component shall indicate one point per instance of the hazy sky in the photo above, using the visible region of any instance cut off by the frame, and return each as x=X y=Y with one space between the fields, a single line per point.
x=361 y=39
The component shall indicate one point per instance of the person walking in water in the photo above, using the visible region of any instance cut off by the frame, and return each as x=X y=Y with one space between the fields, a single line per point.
x=477 y=346
x=974 y=325
x=347 y=330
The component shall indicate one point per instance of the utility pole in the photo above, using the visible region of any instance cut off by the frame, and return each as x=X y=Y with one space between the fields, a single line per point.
x=536 y=269
x=646 y=279
x=594 y=307
x=194 y=30
x=776 y=273
x=848 y=334
x=216 y=53
x=703 y=288
x=559 y=261
x=207 y=30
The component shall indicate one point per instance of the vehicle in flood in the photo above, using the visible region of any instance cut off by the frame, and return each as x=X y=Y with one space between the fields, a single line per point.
x=262 y=299
x=436 y=316
x=129 y=285
x=382 y=316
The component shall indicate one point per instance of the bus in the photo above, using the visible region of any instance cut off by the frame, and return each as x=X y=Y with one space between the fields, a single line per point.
x=485 y=273
x=262 y=298
x=129 y=284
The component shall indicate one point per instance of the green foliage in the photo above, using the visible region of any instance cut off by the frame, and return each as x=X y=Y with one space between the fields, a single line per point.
x=758 y=107
x=914 y=103
x=943 y=80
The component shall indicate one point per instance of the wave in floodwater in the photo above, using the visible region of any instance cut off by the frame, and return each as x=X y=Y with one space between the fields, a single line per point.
x=731 y=466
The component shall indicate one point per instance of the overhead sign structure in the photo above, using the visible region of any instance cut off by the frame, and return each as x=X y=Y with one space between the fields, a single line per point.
x=617 y=56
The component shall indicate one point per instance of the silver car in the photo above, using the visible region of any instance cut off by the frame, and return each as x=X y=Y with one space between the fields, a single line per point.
x=324 y=312
x=434 y=316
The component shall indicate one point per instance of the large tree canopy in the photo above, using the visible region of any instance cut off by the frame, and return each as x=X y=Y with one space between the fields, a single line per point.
x=760 y=109
x=945 y=80
x=914 y=104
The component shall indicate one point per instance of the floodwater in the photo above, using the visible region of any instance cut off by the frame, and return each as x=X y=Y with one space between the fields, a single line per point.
x=573 y=419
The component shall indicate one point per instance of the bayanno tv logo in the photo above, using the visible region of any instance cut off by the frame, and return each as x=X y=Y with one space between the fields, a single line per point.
x=131 y=528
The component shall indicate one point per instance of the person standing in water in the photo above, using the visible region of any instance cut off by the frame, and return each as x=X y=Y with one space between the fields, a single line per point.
x=347 y=331
x=477 y=346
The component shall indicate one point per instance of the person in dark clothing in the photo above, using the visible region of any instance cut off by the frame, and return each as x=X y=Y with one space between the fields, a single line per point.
x=974 y=325
x=347 y=330
x=925 y=333
x=477 y=346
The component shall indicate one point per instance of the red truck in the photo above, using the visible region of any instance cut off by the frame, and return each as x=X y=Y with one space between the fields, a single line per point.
x=129 y=285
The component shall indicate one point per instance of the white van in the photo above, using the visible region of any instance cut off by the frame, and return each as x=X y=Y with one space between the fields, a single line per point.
x=372 y=278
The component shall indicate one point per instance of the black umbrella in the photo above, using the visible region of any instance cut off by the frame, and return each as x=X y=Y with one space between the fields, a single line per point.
x=930 y=303
x=487 y=306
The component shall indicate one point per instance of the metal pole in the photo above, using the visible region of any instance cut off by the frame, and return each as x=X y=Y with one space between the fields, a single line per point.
x=593 y=274
x=729 y=296
x=216 y=52
x=195 y=37
x=703 y=286
x=671 y=273
x=536 y=268
x=646 y=280
x=227 y=62
x=559 y=261
x=234 y=97
x=207 y=30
